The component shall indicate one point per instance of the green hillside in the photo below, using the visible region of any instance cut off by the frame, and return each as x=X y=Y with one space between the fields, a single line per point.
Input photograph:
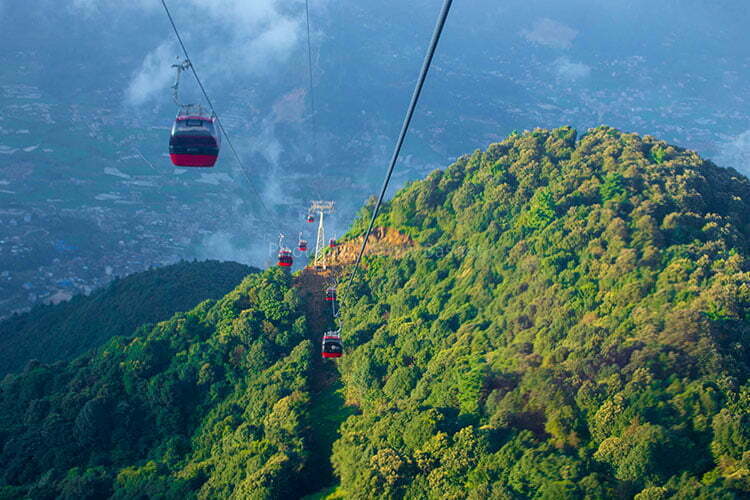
x=572 y=322
x=211 y=400
x=577 y=327
x=50 y=333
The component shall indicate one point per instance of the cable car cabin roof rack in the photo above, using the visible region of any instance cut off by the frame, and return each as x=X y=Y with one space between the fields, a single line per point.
x=191 y=110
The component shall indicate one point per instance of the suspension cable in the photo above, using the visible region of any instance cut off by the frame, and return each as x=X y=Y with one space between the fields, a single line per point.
x=336 y=315
x=405 y=127
x=310 y=76
x=313 y=109
x=210 y=105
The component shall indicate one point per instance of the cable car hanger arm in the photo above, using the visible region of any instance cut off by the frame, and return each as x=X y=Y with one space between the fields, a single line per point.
x=180 y=67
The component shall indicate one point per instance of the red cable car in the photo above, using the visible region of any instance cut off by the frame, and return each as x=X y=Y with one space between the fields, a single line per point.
x=330 y=295
x=285 y=258
x=332 y=347
x=302 y=246
x=310 y=218
x=332 y=244
x=194 y=141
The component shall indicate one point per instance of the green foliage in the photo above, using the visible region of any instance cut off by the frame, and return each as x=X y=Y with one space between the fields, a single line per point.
x=658 y=154
x=541 y=210
x=574 y=323
x=574 y=326
x=61 y=332
x=211 y=403
x=614 y=186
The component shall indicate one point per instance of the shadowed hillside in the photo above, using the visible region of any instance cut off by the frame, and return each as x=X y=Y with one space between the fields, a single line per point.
x=63 y=331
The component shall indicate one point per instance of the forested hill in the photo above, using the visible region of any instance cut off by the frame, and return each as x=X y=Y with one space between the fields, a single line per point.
x=570 y=319
x=59 y=332
x=576 y=325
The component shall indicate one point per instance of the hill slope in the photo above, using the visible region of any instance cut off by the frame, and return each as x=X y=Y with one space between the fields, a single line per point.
x=576 y=324
x=66 y=330
x=559 y=318
x=212 y=402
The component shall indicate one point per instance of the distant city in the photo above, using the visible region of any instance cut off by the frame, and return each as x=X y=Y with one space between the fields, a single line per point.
x=87 y=192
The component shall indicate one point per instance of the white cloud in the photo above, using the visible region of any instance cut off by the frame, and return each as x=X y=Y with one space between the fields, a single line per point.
x=276 y=43
x=736 y=153
x=551 y=33
x=233 y=36
x=571 y=71
x=268 y=145
x=94 y=6
x=155 y=74
x=222 y=246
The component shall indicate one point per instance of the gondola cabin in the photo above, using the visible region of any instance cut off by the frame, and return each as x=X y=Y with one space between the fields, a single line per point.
x=330 y=295
x=310 y=218
x=332 y=345
x=285 y=258
x=194 y=141
x=333 y=244
x=302 y=246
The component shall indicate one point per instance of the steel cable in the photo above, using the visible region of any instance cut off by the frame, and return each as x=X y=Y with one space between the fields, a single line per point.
x=405 y=128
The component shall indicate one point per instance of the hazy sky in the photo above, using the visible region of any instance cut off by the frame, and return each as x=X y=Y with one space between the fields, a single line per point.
x=246 y=37
x=668 y=55
x=676 y=69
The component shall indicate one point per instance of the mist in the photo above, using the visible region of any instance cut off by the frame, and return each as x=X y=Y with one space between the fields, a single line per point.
x=224 y=245
x=226 y=39
x=674 y=69
x=736 y=153
x=571 y=71
x=550 y=33
x=154 y=75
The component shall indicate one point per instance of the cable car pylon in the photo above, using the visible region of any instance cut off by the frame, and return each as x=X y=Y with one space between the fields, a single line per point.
x=322 y=208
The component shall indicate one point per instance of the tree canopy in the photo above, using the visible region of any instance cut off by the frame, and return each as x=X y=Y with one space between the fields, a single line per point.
x=573 y=322
x=63 y=331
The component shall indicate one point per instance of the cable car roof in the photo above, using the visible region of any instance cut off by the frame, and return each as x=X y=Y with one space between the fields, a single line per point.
x=195 y=117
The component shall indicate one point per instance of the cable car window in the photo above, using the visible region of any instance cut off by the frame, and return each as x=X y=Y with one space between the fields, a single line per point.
x=193 y=123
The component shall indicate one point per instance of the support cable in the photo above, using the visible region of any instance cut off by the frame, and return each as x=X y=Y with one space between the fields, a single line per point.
x=210 y=105
x=405 y=128
x=310 y=77
x=313 y=109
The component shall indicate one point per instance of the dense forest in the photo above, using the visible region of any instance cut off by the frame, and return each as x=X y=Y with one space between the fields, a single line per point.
x=572 y=321
x=576 y=325
x=211 y=402
x=63 y=331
